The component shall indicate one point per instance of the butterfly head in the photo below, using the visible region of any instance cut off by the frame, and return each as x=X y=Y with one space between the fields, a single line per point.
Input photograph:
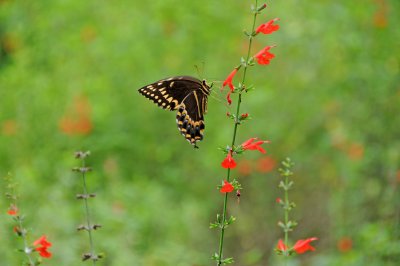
x=207 y=87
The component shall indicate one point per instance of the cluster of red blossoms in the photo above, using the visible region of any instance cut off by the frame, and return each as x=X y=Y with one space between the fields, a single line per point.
x=300 y=247
x=42 y=246
x=263 y=57
x=13 y=210
x=229 y=162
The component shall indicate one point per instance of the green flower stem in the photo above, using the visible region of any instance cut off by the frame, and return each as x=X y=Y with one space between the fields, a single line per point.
x=27 y=249
x=89 y=226
x=286 y=253
x=221 y=241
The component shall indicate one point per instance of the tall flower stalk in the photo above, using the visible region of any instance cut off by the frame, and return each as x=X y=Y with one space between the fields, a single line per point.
x=41 y=245
x=89 y=226
x=288 y=225
x=263 y=58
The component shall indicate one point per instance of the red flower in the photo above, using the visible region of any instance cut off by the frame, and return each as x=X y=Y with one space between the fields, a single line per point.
x=228 y=162
x=17 y=230
x=228 y=80
x=251 y=145
x=264 y=56
x=13 y=210
x=345 y=244
x=77 y=121
x=43 y=245
x=266 y=164
x=278 y=200
x=302 y=246
x=228 y=98
x=281 y=246
x=245 y=115
x=227 y=187
x=43 y=252
x=268 y=27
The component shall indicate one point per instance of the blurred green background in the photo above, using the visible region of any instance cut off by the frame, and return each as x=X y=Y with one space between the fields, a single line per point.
x=330 y=100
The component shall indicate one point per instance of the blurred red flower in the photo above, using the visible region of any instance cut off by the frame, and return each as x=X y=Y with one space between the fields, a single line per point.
x=228 y=162
x=251 y=145
x=281 y=246
x=77 y=121
x=228 y=80
x=266 y=164
x=381 y=14
x=269 y=27
x=355 y=151
x=9 y=127
x=264 y=56
x=302 y=246
x=344 y=244
x=43 y=245
x=228 y=98
x=13 y=210
x=227 y=187
x=17 y=230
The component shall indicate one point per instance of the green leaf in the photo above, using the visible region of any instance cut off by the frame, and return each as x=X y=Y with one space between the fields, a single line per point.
x=215 y=257
x=213 y=225
x=227 y=261
x=230 y=220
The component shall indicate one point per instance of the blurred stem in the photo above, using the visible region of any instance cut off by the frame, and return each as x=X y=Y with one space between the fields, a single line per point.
x=221 y=241
x=18 y=219
x=27 y=249
x=286 y=253
x=89 y=226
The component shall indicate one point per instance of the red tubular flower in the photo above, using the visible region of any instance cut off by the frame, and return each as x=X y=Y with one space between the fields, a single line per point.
x=228 y=162
x=302 y=246
x=281 y=246
x=43 y=246
x=227 y=187
x=264 y=56
x=245 y=115
x=251 y=145
x=269 y=27
x=13 y=210
x=228 y=98
x=43 y=252
x=228 y=80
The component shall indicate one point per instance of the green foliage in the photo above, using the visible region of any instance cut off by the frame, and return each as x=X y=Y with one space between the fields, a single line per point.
x=330 y=100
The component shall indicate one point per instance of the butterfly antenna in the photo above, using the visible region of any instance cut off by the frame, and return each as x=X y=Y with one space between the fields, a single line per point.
x=200 y=72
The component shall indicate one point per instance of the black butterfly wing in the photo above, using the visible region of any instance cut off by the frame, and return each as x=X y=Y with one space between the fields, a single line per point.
x=169 y=93
x=190 y=118
x=186 y=94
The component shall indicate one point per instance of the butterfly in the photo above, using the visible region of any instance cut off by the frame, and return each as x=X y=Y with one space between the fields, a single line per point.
x=186 y=95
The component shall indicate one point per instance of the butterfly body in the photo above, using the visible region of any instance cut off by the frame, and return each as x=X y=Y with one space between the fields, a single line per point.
x=186 y=95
